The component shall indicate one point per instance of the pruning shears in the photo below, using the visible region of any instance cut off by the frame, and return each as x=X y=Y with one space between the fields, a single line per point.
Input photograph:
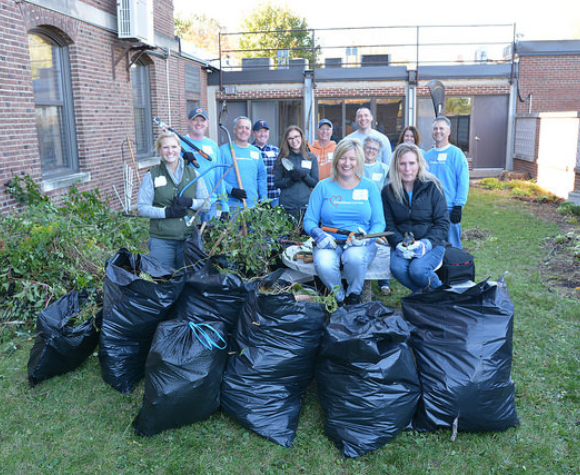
x=349 y=234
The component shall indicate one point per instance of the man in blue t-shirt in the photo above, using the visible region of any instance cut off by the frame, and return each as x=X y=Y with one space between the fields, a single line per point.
x=449 y=164
x=197 y=125
x=254 y=186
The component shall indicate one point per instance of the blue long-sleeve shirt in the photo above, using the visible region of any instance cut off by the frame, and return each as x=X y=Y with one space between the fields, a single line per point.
x=252 y=174
x=337 y=207
x=212 y=177
x=449 y=165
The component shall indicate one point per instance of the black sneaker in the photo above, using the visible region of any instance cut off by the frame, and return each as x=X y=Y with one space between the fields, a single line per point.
x=353 y=299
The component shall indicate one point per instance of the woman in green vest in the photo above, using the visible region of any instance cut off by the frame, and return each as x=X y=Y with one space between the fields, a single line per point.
x=169 y=195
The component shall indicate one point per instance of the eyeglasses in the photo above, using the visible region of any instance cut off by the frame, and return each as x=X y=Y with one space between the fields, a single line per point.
x=372 y=149
x=296 y=137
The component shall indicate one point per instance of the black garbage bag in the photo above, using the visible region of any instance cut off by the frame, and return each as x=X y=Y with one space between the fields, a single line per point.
x=275 y=345
x=139 y=291
x=209 y=295
x=462 y=342
x=60 y=345
x=183 y=375
x=367 y=380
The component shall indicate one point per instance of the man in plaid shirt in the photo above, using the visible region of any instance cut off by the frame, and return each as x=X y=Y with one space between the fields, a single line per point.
x=270 y=152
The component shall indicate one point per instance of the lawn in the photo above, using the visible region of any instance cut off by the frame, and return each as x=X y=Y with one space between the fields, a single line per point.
x=77 y=424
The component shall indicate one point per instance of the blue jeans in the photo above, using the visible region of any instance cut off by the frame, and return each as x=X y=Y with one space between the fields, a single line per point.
x=454 y=234
x=167 y=251
x=275 y=202
x=355 y=261
x=418 y=273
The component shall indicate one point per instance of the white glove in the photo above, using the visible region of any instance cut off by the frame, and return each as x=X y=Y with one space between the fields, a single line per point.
x=357 y=241
x=323 y=240
x=403 y=251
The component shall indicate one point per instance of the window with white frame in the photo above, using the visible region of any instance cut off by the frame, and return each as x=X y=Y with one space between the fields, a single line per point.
x=53 y=103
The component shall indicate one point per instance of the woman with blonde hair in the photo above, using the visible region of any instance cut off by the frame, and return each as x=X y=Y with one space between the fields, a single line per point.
x=416 y=213
x=169 y=195
x=350 y=202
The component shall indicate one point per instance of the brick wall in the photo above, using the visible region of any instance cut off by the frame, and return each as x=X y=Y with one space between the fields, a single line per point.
x=17 y=124
x=103 y=100
x=548 y=83
x=322 y=91
x=553 y=81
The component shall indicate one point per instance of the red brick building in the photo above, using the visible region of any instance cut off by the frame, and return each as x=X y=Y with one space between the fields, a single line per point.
x=74 y=95
x=77 y=97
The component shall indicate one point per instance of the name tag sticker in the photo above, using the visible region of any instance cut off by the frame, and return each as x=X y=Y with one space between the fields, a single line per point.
x=254 y=155
x=207 y=149
x=306 y=164
x=160 y=181
x=442 y=157
x=360 y=194
x=330 y=155
x=377 y=176
x=270 y=154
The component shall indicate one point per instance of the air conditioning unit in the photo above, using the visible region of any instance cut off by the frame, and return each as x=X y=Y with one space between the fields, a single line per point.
x=135 y=20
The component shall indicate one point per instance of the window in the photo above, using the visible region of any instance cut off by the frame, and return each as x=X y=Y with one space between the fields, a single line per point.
x=387 y=114
x=279 y=114
x=53 y=104
x=192 y=79
x=142 y=109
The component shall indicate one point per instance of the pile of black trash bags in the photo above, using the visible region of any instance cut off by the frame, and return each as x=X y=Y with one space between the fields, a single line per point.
x=205 y=340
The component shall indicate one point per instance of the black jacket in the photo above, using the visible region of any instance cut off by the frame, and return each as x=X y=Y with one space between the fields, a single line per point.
x=427 y=217
x=295 y=194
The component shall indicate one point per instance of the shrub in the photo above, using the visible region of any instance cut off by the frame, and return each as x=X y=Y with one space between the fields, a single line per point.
x=492 y=184
x=47 y=251
x=253 y=255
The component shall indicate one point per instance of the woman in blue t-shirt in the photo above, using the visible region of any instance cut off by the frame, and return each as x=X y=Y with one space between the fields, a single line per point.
x=345 y=201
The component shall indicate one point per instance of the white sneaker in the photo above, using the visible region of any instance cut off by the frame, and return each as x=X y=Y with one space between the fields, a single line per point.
x=385 y=290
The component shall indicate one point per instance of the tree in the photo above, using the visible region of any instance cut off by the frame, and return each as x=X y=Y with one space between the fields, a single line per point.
x=277 y=28
x=200 y=30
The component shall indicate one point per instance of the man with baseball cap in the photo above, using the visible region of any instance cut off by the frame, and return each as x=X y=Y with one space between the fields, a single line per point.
x=261 y=133
x=197 y=125
x=323 y=148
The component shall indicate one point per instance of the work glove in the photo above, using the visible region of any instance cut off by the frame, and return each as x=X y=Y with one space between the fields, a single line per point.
x=297 y=174
x=183 y=201
x=357 y=241
x=189 y=158
x=419 y=248
x=225 y=216
x=175 y=211
x=323 y=240
x=403 y=251
x=239 y=193
x=455 y=215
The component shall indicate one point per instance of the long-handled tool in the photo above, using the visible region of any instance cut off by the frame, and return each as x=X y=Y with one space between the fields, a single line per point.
x=346 y=232
x=185 y=140
x=234 y=161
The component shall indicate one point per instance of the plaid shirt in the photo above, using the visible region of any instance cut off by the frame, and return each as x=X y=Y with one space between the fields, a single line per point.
x=269 y=155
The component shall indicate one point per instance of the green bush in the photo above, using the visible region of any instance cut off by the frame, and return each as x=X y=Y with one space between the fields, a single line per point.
x=252 y=255
x=492 y=184
x=569 y=208
x=47 y=251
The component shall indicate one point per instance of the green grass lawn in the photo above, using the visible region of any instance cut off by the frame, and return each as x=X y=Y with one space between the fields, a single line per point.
x=77 y=424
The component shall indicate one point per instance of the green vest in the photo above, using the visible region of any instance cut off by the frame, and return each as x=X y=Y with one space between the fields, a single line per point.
x=165 y=190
